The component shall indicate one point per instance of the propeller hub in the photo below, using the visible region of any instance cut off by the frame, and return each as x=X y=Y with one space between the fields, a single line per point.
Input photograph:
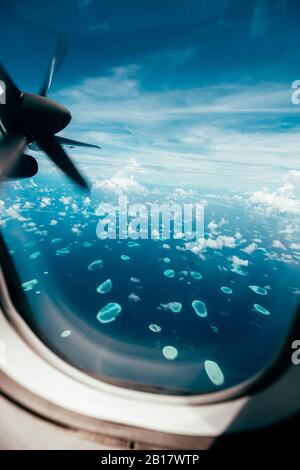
x=41 y=115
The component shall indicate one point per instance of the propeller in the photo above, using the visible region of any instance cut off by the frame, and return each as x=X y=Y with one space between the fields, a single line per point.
x=59 y=55
x=26 y=118
x=50 y=145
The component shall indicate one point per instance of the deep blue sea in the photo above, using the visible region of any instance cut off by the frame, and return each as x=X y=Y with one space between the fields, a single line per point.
x=151 y=335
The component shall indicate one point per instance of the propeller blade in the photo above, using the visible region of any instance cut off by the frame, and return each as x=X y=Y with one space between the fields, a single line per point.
x=50 y=145
x=74 y=143
x=12 y=147
x=60 y=52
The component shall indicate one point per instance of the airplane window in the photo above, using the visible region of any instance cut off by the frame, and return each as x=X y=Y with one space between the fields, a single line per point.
x=178 y=271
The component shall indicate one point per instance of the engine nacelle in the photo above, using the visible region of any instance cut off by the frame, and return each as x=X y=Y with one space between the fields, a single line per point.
x=26 y=167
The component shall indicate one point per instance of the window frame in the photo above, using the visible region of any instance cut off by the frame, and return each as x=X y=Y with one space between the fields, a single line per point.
x=188 y=417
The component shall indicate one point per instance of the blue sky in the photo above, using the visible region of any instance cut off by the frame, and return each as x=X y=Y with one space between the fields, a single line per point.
x=197 y=88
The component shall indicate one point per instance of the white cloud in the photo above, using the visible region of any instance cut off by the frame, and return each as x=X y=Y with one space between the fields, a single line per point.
x=238 y=235
x=134 y=297
x=76 y=229
x=181 y=193
x=289 y=230
x=66 y=200
x=284 y=199
x=295 y=246
x=45 y=202
x=119 y=184
x=86 y=201
x=123 y=182
x=212 y=226
x=32 y=184
x=278 y=244
x=222 y=241
x=250 y=248
x=293 y=177
x=285 y=258
x=13 y=213
x=239 y=262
